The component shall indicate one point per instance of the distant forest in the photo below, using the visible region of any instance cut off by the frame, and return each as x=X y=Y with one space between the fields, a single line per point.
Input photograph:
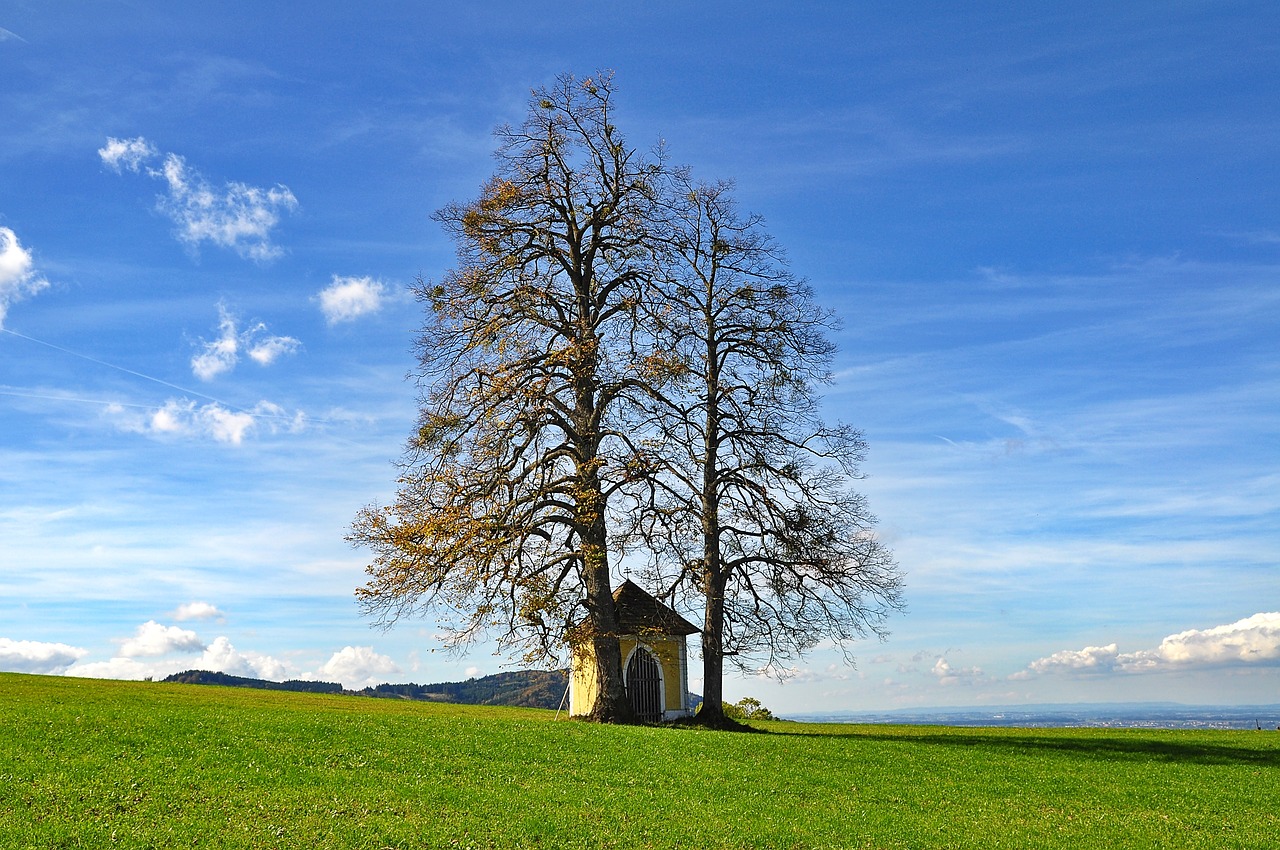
x=527 y=688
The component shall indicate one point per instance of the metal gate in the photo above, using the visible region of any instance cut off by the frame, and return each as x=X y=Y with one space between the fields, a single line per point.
x=644 y=686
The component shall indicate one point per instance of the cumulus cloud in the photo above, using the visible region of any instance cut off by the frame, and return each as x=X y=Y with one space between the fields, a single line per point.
x=948 y=675
x=198 y=611
x=222 y=657
x=152 y=639
x=31 y=656
x=1251 y=641
x=268 y=349
x=235 y=216
x=221 y=354
x=349 y=298
x=218 y=355
x=18 y=277
x=121 y=667
x=358 y=667
x=1091 y=658
x=126 y=154
x=186 y=418
x=238 y=216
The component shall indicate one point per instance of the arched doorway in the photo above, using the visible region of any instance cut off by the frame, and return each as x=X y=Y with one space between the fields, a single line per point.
x=644 y=685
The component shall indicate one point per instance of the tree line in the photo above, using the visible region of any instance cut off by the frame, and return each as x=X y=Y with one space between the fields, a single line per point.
x=524 y=688
x=621 y=369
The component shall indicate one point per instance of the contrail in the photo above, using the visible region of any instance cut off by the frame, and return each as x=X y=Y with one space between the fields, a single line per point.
x=17 y=393
x=10 y=391
x=122 y=369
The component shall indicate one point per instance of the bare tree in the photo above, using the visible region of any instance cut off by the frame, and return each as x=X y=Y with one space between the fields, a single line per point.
x=746 y=500
x=500 y=524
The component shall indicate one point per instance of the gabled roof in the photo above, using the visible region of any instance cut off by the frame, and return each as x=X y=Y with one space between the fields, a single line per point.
x=639 y=613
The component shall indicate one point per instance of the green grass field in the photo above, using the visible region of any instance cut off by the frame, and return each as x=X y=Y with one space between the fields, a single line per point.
x=99 y=764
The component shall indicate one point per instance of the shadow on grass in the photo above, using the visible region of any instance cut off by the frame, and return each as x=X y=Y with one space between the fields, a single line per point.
x=720 y=724
x=1092 y=747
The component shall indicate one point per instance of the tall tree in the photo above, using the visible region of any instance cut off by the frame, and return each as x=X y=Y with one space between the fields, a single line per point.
x=747 y=501
x=501 y=518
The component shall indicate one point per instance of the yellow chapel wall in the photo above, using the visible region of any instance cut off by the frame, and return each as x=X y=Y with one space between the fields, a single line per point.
x=670 y=652
x=583 y=682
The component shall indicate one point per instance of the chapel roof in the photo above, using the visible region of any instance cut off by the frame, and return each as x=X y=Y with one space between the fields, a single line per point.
x=639 y=613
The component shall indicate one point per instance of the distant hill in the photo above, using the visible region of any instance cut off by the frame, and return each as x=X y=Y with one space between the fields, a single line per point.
x=1121 y=715
x=526 y=688
x=208 y=677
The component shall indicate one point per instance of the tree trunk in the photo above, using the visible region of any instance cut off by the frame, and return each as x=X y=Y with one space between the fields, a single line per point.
x=714 y=579
x=712 y=712
x=611 y=703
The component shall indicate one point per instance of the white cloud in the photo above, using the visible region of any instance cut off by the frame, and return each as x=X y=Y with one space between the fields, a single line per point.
x=187 y=418
x=1253 y=640
x=152 y=638
x=153 y=641
x=267 y=349
x=948 y=675
x=349 y=298
x=173 y=417
x=121 y=667
x=801 y=674
x=236 y=216
x=198 y=611
x=358 y=667
x=221 y=656
x=1091 y=658
x=18 y=278
x=30 y=656
x=225 y=426
x=118 y=154
x=220 y=355
x=240 y=217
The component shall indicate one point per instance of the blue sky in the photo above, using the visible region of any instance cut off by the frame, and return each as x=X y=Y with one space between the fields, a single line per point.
x=1052 y=232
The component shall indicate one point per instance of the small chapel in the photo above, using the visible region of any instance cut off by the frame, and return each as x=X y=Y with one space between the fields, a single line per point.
x=655 y=659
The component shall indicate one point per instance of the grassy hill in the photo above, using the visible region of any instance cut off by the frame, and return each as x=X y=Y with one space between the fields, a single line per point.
x=96 y=764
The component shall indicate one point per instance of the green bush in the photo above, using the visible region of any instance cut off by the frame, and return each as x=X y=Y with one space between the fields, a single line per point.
x=747 y=708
